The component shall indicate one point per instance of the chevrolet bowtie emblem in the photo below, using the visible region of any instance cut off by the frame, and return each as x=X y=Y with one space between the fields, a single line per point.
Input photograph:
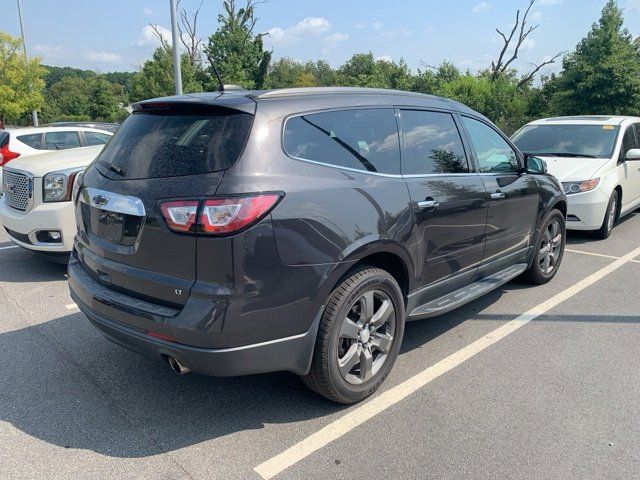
x=100 y=200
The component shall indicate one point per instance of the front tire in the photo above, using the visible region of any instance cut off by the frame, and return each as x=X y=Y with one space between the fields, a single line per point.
x=609 y=218
x=359 y=337
x=549 y=249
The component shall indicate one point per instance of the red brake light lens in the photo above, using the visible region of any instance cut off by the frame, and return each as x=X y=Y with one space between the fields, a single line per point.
x=229 y=215
x=7 y=155
x=180 y=215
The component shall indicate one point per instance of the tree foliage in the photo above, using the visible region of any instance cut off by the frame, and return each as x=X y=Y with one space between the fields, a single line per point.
x=235 y=50
x=21 y=88
x=155 y=79
x=602 y=75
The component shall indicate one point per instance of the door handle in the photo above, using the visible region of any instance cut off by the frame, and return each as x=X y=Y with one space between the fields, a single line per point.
x=497 y=196
x=428 y=203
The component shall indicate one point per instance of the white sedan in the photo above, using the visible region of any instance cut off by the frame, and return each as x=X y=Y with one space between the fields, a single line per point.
x=21 y=142
x=597 y=159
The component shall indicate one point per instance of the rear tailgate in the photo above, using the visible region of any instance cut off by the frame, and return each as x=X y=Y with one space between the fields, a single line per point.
x=163 y=152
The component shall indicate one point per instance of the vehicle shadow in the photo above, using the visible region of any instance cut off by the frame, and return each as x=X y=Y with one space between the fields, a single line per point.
x=69 y=386
x=20 y=265
x=65 y=384
x=579 y=237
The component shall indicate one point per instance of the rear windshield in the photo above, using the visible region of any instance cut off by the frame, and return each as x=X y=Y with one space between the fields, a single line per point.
x=571 y=140
x=165 y=144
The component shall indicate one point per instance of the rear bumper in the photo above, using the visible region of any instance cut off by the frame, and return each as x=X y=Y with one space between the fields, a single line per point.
x=47 y=216
x=586 y=211
x=292 y=353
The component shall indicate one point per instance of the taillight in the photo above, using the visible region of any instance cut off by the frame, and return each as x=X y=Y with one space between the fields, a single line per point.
x=229 y=215
x=180 y=215
x=218 y=216
x=7 y=155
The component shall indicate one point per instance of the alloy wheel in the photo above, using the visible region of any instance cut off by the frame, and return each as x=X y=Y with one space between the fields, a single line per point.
x=550 y=247
x=366 y=337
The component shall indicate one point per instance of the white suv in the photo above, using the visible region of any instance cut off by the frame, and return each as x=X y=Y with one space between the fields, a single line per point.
x=20 y=142
x=36 y=209
x=597 y=159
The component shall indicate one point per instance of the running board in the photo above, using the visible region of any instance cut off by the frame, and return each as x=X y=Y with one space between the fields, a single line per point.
x=464 y=295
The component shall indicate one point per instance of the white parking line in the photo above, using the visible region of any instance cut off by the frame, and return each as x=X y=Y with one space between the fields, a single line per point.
x=593 y=254
x=9 y=247
x=370 y=409
x=71 y=306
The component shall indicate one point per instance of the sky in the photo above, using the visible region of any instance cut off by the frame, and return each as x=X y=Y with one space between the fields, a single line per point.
x=114 y=35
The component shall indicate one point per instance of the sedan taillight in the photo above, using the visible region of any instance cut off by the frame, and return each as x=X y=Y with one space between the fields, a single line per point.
x=7 y=155
x=217 y=216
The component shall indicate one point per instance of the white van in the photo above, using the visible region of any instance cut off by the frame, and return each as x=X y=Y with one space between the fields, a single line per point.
x=597 y=159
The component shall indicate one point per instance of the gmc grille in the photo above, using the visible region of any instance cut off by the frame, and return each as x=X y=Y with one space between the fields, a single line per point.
x=18 y=189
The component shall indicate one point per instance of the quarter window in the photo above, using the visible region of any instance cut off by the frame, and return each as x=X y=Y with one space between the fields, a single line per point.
x=494 y=154
x=61 y=140
x=432 y=144
x=34 y=140
x=364 y=139
x=628 y=141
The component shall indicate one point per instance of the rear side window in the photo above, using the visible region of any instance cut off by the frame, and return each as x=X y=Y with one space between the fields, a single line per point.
x=170 y=144
x=61 y=140
x=94 y=138
x=364 y=139
x=34 y=140
x=432 y=144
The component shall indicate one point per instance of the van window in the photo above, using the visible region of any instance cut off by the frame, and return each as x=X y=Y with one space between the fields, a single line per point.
x=362 y=139
x=167 y=143
x=432 y=144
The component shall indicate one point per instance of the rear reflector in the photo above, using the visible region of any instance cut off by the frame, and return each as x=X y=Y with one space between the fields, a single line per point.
x=161 y=336
x=229 y=215
x=180 y=215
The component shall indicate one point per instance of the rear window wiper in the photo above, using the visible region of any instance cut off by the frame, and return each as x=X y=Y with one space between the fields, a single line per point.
x=113 y=168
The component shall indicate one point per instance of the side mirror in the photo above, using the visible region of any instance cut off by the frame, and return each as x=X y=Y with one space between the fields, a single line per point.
x=632 y=155
x=536 y=165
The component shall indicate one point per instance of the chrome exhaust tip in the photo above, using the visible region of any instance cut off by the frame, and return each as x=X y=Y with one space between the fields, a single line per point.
x=177 y=367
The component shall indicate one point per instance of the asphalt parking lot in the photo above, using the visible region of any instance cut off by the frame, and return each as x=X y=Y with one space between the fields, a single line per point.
x=555 y=394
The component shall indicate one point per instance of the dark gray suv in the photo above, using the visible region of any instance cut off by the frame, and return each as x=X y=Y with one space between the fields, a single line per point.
x=243 y=232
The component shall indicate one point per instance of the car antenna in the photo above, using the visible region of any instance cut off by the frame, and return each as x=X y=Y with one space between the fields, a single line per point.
x=220 y=84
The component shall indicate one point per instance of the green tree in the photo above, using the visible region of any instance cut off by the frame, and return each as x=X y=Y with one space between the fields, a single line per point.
x=105 y=101
x=16 y=98
x=155 y=79
x=234 y=49
x=602 y=76
x=67 y=99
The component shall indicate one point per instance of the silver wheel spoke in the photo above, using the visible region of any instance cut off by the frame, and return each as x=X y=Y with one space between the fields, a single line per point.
x=349 y=329
x=556 y=240
x=382 y=342
x=382 y=315
x=349 y=360
x=366 y=364
x=366 y=307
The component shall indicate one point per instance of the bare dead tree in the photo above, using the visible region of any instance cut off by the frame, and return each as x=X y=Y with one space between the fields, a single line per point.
x=164 y=43
x=512 y=43
x=188 y=29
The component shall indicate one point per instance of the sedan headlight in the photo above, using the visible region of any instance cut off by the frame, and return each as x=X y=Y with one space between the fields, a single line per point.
x=580 y=187
x=56 y=186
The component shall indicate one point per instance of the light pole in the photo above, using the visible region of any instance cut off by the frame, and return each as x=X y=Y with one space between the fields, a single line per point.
x=34 y=114
x=177 y=74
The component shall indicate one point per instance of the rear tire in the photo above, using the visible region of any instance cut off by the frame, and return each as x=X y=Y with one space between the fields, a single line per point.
x=359 y=336
x=549 y=249
x=610 y=218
